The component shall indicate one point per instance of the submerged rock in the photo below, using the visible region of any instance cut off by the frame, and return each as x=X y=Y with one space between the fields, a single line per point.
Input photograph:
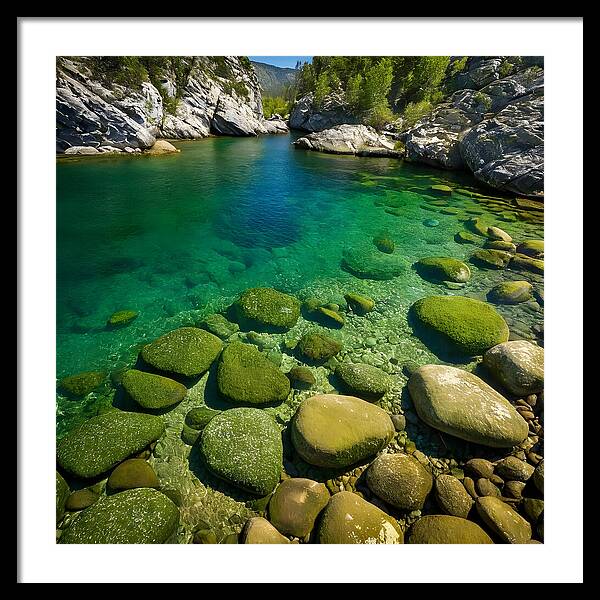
x=369 y=263
x=443 y=269
x=460 y=404
x=122 y=318
x=218 y=325
x=266 y=307
x=363 y=380
x=259 y=531
x=447 y=529
x=318 y=347
x=384 y=244
x=511 y=292
x=330 y=430
x=301 y=378
x=361 y=305
x=491 y=259
x=532 y=248
x=133 y=473
x=520 y=262
x=82 y=384
x=152 y=391
x=198 y=418
x=81 y=499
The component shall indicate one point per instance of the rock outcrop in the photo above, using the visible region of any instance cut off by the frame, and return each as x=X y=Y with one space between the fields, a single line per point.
x=93 y=113
x=306 y=116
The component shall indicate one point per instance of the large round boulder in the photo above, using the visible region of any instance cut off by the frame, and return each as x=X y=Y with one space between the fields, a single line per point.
x=443 y=269
x=366 y=381
x=447 y=529
x=268 y=308
x=461 y=404
x=329 y=430
x=152 y=391
x=511 y=292
x=81 y=384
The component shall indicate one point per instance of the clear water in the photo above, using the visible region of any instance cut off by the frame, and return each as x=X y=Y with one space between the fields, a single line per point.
x=179 y=237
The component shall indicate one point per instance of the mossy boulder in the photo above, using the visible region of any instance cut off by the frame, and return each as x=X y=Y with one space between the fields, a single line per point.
x=348 y=519
x=491 y=259
x=122 y=318
x=140 y=516
x=520 y=262
x=133 y=473
x=361 y=305
x=301 y=378
x=81 y=499
x=104 y=441
x=368 y=263
x=329 y=430
x=470 y=325
x=442 y=190
x=463 y=405
x=81 y=384
x=62 y=493
x=218 y=325
x=331 y=318
x=198 y=418
x=317 y=347
x=247 y=376
x=258 y=530
x=452 y=497
x=296 y=504
x=186 y=351
x=511 y=292
x=500 y=245
x=495 y=233
x=477 y=226
x=464 y=237
x=243 y=446
x=443 y=269
x=365 y=381
x=447 y=529
x=431 y=222
x=152 y=391
x=503 y=520
x=384 y=244
x=531 y=248
x=268 y=308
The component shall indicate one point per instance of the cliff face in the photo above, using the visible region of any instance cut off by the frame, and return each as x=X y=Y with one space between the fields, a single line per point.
x=220 y=97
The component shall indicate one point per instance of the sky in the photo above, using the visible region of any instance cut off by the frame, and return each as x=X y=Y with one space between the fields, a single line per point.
x=281 y=61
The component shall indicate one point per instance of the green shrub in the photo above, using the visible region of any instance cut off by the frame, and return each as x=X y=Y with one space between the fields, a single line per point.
x=275 y=105
x=506 y=68
x=414 y=112
x=458 y=66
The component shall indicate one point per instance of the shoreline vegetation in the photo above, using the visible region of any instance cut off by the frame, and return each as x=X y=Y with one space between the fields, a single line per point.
x=396 y=395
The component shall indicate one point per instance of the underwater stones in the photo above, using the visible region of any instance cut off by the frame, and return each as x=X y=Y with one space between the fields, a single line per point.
x=495 y=233
x=531 y=248
x=431 y=222
x=365 y=381
x=500 y=245
x=442 y=190
x=243 y=446
x=140 y=516
x=511 y=292
x=491 y=259
x=460 y=404
x=384 y=244
x=477 y=226
x=104 y=441
x=198 y=418
x=189 y=435
x=464 y=237
x=152 y=391
x=520 y=262
x=247 y=376
x=296 y=504
x=399 y=480
x=186 y=351
x=330 y=430
x=452 y=497
x=258 y=530
x=318 y=347
x=62 y=493
x=266 y=307
x=504 y=521
x=133 y=473
x=331 y=317
x=218 y=325
x=81 y=384
x=471 y=325
x=301 y=378
x=518 y=365
x=361 y=305
x=447 y=529
x=122 y=318
x=369 y=263
x=81 y=499
x=348 y=519
x=443 y=269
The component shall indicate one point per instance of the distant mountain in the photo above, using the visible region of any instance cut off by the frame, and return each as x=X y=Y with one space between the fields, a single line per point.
x=272 y=79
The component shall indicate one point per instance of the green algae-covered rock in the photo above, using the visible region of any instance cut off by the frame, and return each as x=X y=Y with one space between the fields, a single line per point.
x=81 y=384
x=189 y=435
x=267 y=307
x=140 y=516
x=122 y=318
x=511 y=292
x=447 y=529
x=532 y=248
x=477 y=226
x=152 y=391
x=491 y=259
x=520 y=262
x=243 y=446
x=218 y=325
x=452 y=497
x=399 y=480
x=500 y=245
x=81 y=499
x=318 y=347
x=384 y=244
x=104 y=441
x=363 y=380
x=503 y=520
x=495 y=233
x=258 y=530
x=296 y=504
x=186 y=351
x=464 y=237
x=301 y=378
x=443 y=269
x=62 y=493
x=198 y=418
x=369 y=263
x=329 y=430
x=361 y=305
x=348 y=519
x=471 y=325
x=133 y=473
x=461 y=404
x=331 y=317
x=247 y=376
x=443 y=190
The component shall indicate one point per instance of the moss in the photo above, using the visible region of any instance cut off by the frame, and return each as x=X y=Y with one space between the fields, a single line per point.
x=243 y=446
x=511 y=292
x=476 y=225
x=266 y=307
x=363 y=380
x=361 y=305
x=318 y=347
x=384 y=244
x=464 y=237
x=140 y=516
x=331 y=317
x=104 y=441
x=81 y=384
x=444 y=190
x=122 y=318
x=301 y=378
x=500 y=245
x=470 y=325
x=198 y=418
x=491 y=259
x=532 y=248
x=247 y=376
x=62 y=493
x=185 y=351
x=152 y=391
x=443 y=269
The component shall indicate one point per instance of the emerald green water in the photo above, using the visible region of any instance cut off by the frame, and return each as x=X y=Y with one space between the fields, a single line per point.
x=179 y=237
